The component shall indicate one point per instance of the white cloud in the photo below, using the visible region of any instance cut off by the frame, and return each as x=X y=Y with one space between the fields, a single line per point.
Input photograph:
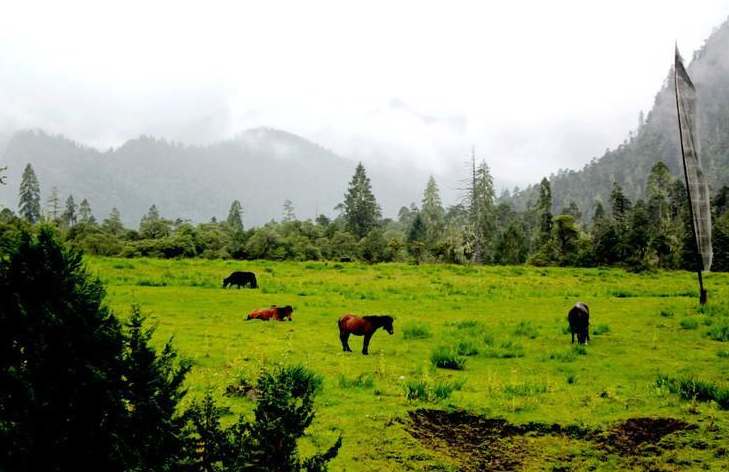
x=534 y=85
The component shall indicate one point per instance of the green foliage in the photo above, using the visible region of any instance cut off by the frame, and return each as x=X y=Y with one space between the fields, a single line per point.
x=689 y=323
x=425 y=390
x=284 y=410
x=235 y=216
x=719 y=331
x=693 y=388
x=601 y=329
x=447 y=358
x=29 y=196
x=361 y=381
x=361 y=211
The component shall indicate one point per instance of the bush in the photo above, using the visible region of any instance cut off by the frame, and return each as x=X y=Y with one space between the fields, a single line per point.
x=416 y=389
x=415 y=330
x=446 y=358
x=284 y=410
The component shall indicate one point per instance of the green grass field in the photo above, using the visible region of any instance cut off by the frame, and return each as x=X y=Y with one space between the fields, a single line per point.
x=506 y=326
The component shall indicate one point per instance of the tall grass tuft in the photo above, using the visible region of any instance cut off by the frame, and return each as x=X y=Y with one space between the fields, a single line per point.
x=719 y=332
x=447 y=358
x=526 y=329
x=694 y=388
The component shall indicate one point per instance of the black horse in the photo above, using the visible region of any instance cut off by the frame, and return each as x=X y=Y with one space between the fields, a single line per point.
x=362 y=326
x=241 y=279
x=579 y=319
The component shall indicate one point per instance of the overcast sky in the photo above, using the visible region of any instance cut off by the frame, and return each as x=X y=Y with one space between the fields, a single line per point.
x=534 y=85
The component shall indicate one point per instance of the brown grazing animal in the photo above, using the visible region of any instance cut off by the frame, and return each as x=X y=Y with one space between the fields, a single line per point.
x=362 y=326
x=278 y=313
x=579 y=319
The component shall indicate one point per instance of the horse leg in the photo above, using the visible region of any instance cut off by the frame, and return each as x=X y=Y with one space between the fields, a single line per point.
x=366 y=344
x=344 y=337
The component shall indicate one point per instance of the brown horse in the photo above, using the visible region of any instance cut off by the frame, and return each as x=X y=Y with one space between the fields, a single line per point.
x=278 y=313
x=362 y=326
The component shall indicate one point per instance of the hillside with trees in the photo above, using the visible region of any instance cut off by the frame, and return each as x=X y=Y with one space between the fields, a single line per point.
x=655 y=140
x=262 y=168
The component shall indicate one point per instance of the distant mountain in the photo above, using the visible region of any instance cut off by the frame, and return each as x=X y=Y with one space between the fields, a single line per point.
x=260 y=167
x=657 y=138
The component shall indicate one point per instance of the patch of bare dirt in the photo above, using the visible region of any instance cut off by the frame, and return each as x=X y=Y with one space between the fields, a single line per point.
x=628 y=437
x=478 y=443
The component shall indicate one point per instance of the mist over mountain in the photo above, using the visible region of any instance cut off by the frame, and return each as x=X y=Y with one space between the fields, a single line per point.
x=656 y=138
x=260 y=167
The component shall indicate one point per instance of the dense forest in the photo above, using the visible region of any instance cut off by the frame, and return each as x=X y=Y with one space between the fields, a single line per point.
x=651 y=232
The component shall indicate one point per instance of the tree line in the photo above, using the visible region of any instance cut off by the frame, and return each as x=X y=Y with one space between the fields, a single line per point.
x=652 y=232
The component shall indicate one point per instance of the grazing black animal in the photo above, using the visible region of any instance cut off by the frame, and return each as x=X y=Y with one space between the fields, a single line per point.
x=579 y=319
x=241 y=279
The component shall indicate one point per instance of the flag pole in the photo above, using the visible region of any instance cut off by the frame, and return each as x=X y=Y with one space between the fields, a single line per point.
x=699 y=260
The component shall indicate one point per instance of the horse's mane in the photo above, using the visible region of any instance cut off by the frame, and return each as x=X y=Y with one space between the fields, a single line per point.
x=378 y=318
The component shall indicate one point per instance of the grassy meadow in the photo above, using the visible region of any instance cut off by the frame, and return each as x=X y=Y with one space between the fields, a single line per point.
x=500 y=334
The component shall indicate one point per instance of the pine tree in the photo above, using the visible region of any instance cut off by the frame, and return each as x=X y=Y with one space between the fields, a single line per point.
x=69 y=214
x=113 y=224
x=153 y=226
x=620 y=203
x=154 y=389
x=416 y=238
x=3 y=177
x=432 y=210
x=60 y=362
x=544 y=207
x=84 y=213
x=289 y=213
x=235 y=216
x=29 y=196
x=53 y=208
x=361 y=211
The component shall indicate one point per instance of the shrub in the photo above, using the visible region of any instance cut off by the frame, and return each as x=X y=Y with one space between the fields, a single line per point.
x=446 y=358
x=284 y=410
x=416 y=331
x=719 y=332
x=689 y=323
x=442 y=390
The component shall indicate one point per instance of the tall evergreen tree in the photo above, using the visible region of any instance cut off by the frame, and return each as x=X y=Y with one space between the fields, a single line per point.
x=113 y=224
x=235 y=216
x=60 y=363
x=432 y=211
x=289 y=212
x=417 y=233
x=153 y=226
x=620 y=203
x=361 y=211
x=544 y=209
x=53 y=208
x=85 y=215
x=69 y=214
x=29 y=196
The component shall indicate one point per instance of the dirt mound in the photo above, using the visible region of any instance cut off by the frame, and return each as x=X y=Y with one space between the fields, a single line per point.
x=629 y=436
x=479 y=443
